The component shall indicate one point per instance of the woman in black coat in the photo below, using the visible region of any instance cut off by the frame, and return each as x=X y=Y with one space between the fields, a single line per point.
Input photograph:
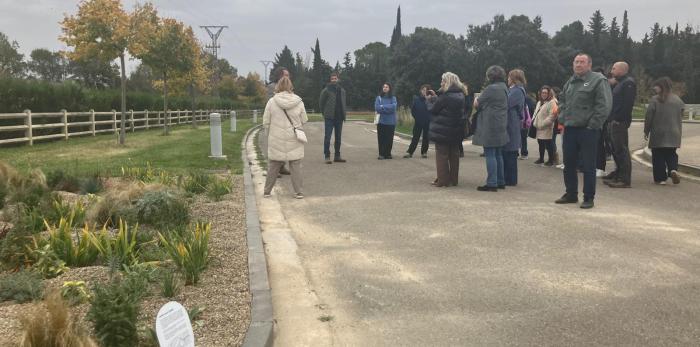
x=446 y=128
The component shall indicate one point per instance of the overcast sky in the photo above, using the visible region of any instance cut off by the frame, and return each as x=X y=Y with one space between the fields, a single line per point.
x=260 y=28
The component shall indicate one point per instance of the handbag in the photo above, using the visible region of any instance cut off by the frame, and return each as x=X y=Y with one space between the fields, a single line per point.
x=377 y=115
x=298 y=131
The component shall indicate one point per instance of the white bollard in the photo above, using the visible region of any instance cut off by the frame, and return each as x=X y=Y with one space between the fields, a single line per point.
x=255 y=116
x=233 y=121
x=215 y=132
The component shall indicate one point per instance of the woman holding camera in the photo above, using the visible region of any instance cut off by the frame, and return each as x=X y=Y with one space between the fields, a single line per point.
x=446 y=128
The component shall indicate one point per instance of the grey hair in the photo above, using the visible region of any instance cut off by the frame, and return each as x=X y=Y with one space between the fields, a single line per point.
x=495 y=73
x=450 y=80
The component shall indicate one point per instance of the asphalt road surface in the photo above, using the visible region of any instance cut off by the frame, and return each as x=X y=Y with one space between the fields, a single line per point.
x=396 y=261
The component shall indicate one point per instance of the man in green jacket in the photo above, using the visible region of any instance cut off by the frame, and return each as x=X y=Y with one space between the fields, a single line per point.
x=584 y=105
x=333 y=108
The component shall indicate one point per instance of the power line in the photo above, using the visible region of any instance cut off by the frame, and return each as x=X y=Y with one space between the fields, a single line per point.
x=214 y=31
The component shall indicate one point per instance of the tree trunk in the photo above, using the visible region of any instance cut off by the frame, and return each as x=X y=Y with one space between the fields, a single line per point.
x=165 y=103
x=122 y=130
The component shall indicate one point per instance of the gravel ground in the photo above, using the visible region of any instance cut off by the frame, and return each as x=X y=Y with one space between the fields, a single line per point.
x=222 y=291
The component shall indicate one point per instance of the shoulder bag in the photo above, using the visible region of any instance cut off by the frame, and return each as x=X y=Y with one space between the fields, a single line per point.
x=298 y=131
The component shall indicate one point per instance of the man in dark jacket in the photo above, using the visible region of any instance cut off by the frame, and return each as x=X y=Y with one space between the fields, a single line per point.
x=332 y=102
x=584 y=104
x=623 y=95
x=421 y=124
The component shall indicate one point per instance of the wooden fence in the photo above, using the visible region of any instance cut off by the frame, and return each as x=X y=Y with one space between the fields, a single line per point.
x=28 y=127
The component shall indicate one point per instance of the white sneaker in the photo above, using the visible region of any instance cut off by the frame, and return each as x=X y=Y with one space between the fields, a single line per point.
x=560 y=166
x=600 y=173
x=523 y=157
x=299 y=196
x=662 y=183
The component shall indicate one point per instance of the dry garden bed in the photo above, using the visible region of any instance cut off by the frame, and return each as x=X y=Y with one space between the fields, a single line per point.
x=88 y=261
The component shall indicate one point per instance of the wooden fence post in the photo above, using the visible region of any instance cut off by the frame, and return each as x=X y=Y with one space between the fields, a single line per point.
x=131 y=118
x=64 y=119
x=146 y=115
x=28 y=122
x=92 y=122
x=114 y=121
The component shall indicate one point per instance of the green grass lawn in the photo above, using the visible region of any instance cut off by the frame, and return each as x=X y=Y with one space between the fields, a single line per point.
x=185 y=149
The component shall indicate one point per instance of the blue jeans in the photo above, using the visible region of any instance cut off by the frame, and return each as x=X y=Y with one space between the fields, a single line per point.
x=494 y=166
x=332 y=124
x=580 y=145
x=510 y=167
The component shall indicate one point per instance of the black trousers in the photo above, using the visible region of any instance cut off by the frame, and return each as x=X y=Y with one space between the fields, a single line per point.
x=385 y=139
x=418 y=131
x=604 y=147
x=663 y=161
x=546 y=145
x=580 y=146
x=621 y=151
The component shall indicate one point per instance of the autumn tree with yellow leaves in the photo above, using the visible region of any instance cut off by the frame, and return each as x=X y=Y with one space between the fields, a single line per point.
x=172 y=51
x=100 y=30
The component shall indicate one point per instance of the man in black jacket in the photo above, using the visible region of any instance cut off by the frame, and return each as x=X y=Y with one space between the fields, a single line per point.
x=624 y=93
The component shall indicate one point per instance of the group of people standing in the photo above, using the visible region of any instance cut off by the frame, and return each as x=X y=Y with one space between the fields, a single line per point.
x=591 y=111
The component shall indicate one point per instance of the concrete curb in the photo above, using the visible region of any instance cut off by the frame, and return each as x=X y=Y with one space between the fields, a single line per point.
x=261 y=321
x=690 y=172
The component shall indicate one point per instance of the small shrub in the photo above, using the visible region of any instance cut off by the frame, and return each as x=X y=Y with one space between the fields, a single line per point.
x=162 y=209
x=29 y=190
x=59 y=180
x=75 y=292
x=3 y=193
x=91 y=185
x=170 y=285
x=79 y=252
x=46 y=262
x=218 y=188
x=115 y=205
x=196 y=182
x=53 y=326
x=114 y=310
x=22 y=286
x=148 y=174
x=195 y=313
x=17 y=247
x=60 y=209
x=190 y=251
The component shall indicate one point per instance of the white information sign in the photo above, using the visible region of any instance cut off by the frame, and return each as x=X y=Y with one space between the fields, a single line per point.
x=173 y=326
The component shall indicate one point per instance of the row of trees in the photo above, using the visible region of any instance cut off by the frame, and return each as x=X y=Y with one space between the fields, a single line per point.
x=517 y=42
x=171 y=60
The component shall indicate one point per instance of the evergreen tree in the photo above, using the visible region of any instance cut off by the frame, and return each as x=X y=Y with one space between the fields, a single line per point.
x=597 y=28
x=613 y=51
x=283 y=59
x=396 y=34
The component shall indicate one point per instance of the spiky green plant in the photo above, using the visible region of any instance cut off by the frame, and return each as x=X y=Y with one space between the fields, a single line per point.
x=121 y=247
x=218 y=188
x=79 y=252
x=189 y=251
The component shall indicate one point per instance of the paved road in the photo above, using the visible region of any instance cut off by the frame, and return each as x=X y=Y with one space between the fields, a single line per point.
x=398 y=262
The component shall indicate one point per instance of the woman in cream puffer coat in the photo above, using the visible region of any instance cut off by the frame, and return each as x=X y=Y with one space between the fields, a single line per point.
x=282 y=143
x=543 y=121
